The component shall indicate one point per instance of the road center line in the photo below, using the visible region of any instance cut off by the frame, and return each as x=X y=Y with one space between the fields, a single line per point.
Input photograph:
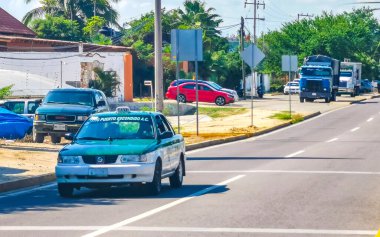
x=160 y=209
x=295 y=153
x=333 y=172
x=355 y=129
x=332 y=140
x=370 y=119
x=194 y=229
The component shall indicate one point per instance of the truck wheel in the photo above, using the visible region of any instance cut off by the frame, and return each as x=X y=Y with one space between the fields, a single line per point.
x=302 y=99
x=55 y=139
x=38 y=137
x=65 y=190
x=154 y=187
x=327 y=100
x=177 y=178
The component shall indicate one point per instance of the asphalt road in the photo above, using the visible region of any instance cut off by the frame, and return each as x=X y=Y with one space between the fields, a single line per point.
x=317 y=178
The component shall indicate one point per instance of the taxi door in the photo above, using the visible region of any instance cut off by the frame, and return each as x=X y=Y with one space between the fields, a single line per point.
x=175 y=147
x=165 y=145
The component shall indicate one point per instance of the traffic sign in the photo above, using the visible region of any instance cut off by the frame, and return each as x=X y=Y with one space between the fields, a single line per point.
x=252 y=55
x=147 y=83
x=289 y=63
x=187 y=45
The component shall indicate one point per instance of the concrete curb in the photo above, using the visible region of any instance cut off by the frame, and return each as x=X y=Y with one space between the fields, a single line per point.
x=241 y=137
x=26 y=182
x=361 y=100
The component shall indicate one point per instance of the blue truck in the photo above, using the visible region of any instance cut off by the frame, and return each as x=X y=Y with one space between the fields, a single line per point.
x=319 y=78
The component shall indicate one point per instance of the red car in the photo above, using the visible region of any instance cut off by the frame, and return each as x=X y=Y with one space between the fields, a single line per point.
x=205 y=94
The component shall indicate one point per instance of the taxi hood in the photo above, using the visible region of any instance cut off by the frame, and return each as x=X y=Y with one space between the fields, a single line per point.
x=114 y=147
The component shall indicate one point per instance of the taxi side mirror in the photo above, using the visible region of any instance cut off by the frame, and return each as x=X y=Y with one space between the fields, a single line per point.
x=69 y=136
x=101 y=103
x=167 y=134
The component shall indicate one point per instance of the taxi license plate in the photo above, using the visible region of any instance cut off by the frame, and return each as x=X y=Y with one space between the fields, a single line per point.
x=59 y=127
x=98 y=172
x=314 y=94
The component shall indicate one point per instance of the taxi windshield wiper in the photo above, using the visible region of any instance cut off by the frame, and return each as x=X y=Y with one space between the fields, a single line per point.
x=92 y=138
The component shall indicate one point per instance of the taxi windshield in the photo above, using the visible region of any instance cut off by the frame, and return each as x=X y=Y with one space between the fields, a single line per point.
x=110 y=128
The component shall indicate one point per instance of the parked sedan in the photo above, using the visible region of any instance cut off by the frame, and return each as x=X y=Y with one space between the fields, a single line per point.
x=292 y=87
x=212 y=84
x=206 y=93
x=366 y=86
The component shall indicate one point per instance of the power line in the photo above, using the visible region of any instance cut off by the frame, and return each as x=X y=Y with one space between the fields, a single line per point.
x=303 y=15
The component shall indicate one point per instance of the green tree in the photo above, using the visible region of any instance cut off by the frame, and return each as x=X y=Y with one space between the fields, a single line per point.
x=91 y=31
x=57 y=28
x=354 y=35
x=78 y=10
x=106 y=81
x=5 y=91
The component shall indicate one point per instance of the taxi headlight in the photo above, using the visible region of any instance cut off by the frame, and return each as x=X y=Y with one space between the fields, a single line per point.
x=69 y=159
x=147 y=158
x=82 y=118
x=40 y=117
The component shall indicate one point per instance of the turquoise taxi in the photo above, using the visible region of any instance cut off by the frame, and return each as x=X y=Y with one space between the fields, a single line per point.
x=122 y=147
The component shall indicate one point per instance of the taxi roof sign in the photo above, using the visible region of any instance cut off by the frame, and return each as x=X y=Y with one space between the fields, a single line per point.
x=123 y=109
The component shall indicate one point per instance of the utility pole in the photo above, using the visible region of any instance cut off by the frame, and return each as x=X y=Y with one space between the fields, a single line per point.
x=256 y=5
x=159 y=88
x=303 y=15
x=94 y=7
x=242 y=40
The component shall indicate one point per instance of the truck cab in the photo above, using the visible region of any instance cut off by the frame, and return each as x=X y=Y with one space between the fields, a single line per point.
x=315 y=83
x=350 y=78
x=319 y=78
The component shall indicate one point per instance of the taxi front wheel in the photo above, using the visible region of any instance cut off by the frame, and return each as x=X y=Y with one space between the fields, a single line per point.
x=177 y=178
x=154 y=187
x=65 y=190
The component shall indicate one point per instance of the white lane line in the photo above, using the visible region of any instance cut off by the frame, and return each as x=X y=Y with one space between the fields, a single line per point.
x=16 y=193
x=194 y=229
x=295 y=153
x=283 y=172
x=370 y=119
x=160 y=209
x=332 y=140
x=355 y=129
x=270 y=133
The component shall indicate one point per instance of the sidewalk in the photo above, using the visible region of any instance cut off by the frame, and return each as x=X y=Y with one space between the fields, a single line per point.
x=20 y=160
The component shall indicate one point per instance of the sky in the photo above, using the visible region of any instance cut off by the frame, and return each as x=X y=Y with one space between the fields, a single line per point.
x=276 y=12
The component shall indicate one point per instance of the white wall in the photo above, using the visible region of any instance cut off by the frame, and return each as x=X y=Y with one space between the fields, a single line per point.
x=249 y=80
x=49 y=65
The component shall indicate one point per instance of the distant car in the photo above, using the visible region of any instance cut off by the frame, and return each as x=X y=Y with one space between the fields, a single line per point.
x=210 y=83
x=65 y=110
x=123 y=147
x=14 y=126
x=206 y=93
x=366 y=86
x=25 y=107
x=292 y=87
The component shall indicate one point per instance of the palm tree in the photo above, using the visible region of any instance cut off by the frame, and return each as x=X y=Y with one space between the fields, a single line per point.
x=79 y=10
x=195 y=15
